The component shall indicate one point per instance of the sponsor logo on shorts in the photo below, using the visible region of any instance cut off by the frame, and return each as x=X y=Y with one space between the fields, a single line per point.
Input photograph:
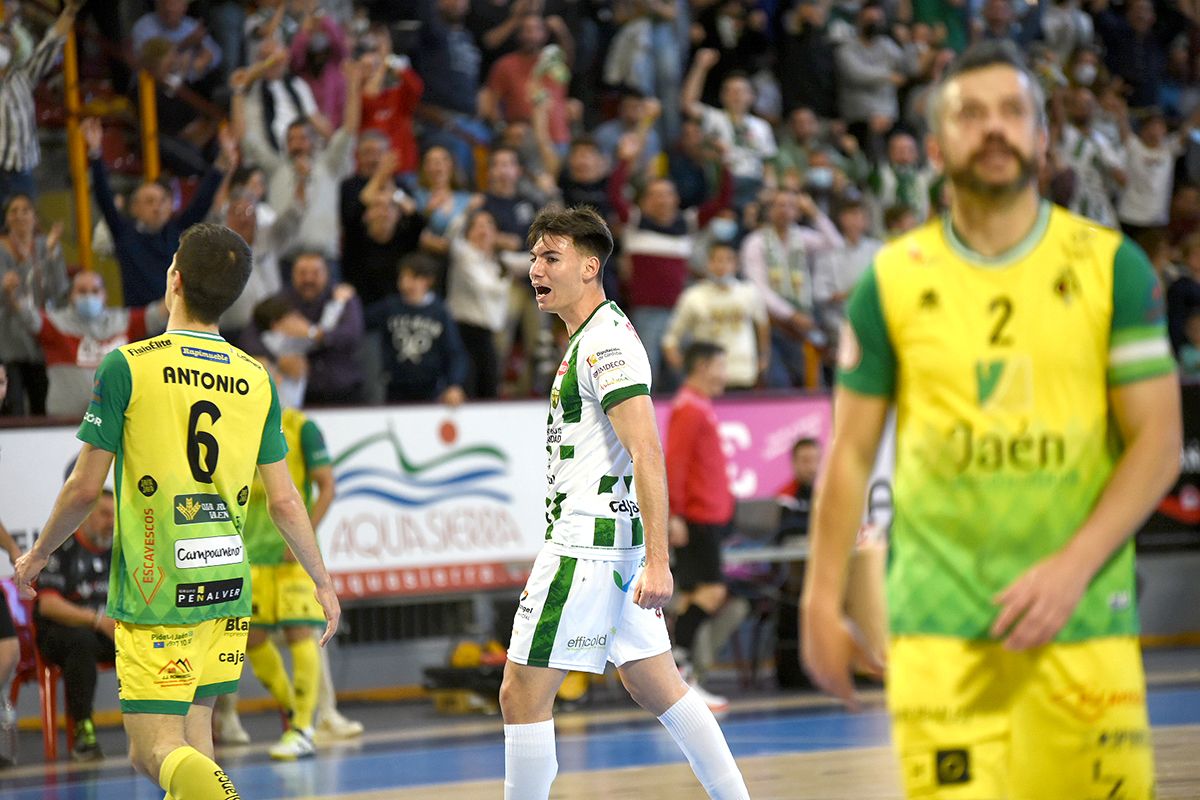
x=209 y=551
x=623 y=585
x=176 y=672
x=205 y=355
x=181 y=639
x=1123 y=737
x=159 y=645
x=237 y=624
x=1090 y=705
x=598 y=642
x=953 y=766
x=231 y=658
x=191 y=595
x=147 y=485
x=243 y=495
x=196 y=509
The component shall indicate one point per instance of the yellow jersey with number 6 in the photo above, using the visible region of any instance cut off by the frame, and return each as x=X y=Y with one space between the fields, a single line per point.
x=189 y=417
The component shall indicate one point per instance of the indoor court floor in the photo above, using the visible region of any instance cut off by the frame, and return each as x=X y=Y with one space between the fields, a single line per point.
x=793 y=745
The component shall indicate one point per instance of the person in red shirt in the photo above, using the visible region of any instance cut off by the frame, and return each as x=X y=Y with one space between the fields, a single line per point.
x=532 y=68
x=700 y=499
x=391 y=93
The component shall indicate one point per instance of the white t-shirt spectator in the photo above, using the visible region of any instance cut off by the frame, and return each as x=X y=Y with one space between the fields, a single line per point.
x=724 y=314
x=1146 y=199
x=750 y=143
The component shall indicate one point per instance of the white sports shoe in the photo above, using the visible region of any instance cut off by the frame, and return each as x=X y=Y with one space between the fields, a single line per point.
x=334 y=725
x=715 y=702
x=227 y=728
x=294 y=744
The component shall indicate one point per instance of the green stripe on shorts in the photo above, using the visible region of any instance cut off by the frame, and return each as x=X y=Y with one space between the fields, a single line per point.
x=547 y=626
x=214 y=689
x=177 y=708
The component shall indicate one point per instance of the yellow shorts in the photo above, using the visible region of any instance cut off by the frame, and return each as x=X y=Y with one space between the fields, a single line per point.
x=162 y=669
x=973 y=721
x=283 y=594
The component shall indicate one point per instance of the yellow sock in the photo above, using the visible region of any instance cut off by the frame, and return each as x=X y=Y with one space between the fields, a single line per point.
x=267 y=664
x=306 y=662
x=188 y=774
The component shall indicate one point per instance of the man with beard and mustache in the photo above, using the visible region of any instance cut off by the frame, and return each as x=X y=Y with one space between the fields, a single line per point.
x=1037 y=425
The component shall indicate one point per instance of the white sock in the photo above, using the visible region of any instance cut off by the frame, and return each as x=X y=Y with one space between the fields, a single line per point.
x=529 y=761
x=695 y=730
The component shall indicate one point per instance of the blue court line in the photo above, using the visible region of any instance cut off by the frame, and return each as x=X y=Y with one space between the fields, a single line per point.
x=392 y=766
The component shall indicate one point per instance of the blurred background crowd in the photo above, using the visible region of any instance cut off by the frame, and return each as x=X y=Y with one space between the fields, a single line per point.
x=385 y=159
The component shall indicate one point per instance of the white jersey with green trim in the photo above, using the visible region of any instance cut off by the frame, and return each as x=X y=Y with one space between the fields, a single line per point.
x=591 y=502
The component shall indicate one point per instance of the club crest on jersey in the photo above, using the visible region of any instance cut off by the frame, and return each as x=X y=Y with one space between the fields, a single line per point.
x=147 y=485
x=554 y=395
x=563 y=367
x=1066 y=285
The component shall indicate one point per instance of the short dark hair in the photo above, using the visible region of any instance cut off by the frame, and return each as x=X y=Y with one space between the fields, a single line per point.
x=698 y=353
x=583 y=225
x=270 y=311
x=804 y=441
x=506 y=148
x=718 y=244
x=421 y=265
x=990 y=53
x=214 y=263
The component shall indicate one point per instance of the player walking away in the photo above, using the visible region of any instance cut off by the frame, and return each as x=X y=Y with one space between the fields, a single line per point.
x=599 y=584
x=1038 y=424
x=186 y=416
x=281 y=591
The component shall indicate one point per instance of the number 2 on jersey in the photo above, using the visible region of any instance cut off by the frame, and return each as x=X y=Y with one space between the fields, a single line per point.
x=202 y=470
x=1005 y=306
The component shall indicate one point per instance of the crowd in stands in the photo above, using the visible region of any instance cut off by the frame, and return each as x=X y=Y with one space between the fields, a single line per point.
x=384 y=160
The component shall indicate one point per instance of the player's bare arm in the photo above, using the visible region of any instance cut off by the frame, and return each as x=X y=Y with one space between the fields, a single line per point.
x=1034 y=608
x=830 y=646
x=291 y=518
x=76 y=500
x=633 y=422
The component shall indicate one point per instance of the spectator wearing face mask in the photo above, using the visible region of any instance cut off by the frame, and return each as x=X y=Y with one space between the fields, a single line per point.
x=77 y=337
x=316 y=55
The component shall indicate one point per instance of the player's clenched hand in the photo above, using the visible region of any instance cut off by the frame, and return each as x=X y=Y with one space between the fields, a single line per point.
x=654 y=586
x=832 y=647
x=328 y=599
x=25 y=572
x=1034 y=607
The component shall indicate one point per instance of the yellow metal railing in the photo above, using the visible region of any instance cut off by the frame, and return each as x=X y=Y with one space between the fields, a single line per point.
x=148 y=114
x=77 y=154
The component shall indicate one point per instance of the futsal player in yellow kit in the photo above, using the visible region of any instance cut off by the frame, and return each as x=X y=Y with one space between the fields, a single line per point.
x=187 y=417
x=1038 y=424
x=282 y=591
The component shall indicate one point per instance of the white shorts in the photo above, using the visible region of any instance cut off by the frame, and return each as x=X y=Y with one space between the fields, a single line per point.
x=577 y=614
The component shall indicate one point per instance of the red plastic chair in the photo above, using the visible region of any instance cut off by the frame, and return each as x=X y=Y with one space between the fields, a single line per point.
x=32 y=668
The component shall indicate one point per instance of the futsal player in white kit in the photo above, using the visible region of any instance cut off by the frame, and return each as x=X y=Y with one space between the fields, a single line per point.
x=599 y=584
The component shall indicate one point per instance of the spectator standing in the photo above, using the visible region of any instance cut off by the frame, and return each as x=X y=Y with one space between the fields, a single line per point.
x=448 y=59
x=1135 y=46
x=73 y=631
x=658 y=240
x=1183 y=295
x=478 y=297
x=634 y=112
x=1150 y=165
x=533 y=68
x=748 y=140
x=392 y=90
x=169 y=21
x=146 y=243
x=777 y=259
x=268 y=98
x=387 y=227
x=268 y=239
x=308 y=177
x=724 y=311
x=806 y=65
x=440 y=201
x=37 y=261
x=836 y=271
x=77 y=337
x=335 y=330
x=19 y=151
x=316 y=54
x=1096 y=161
x=424 y=352
x=871 y=69
x=701 y=503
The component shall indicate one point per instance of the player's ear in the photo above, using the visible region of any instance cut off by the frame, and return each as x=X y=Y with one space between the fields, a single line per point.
x=591 y=268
